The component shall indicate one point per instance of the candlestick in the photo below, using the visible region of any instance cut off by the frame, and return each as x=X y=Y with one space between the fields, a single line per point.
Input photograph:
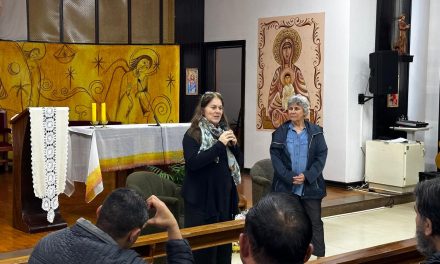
x=103 y=114
x=93 y=112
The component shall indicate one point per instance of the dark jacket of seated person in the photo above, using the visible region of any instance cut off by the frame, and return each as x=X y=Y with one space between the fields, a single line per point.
x=120 y=220
x=427 y=209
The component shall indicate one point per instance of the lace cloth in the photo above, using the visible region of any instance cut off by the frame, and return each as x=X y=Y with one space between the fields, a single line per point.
x=49 y=148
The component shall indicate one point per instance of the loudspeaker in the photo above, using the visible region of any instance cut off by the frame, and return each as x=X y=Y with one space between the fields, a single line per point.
x=383 y=72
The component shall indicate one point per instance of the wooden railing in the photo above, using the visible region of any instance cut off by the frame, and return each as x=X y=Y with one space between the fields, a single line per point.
x=402 y=252
x=153 y=246
x=15 y=260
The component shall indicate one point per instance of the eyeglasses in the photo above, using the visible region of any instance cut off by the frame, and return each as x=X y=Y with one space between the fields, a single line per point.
x=209 y=93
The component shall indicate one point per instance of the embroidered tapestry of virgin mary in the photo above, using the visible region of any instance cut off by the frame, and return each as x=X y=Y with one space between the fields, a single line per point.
x=290 y=61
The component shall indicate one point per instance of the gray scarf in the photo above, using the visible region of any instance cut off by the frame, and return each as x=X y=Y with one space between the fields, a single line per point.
x=210 y=135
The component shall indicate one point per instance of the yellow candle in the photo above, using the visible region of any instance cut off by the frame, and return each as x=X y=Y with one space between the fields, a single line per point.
x=103 y=115
x=93 y=112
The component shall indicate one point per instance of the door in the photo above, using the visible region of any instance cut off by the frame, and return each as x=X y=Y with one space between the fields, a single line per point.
x=225 y=68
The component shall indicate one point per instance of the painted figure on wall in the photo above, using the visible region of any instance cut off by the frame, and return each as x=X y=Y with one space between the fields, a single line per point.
x=192 y=81
x=286 y=51
x=134 y=97
x=192 y=85
x=290 y=62
x=33 y=54
x=126 y=78
x=288 y=89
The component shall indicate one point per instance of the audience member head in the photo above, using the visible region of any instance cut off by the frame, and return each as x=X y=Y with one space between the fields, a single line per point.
x=122 y=216
x=427 y=209
x=277 y=230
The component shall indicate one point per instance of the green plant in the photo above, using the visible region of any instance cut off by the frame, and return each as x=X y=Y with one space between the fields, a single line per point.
x=174 y=172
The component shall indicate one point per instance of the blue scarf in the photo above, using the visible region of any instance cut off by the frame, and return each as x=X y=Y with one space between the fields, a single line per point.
x=210 y=135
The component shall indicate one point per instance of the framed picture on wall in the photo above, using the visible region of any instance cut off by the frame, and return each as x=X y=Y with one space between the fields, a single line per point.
x=192 y=81
x=393 y=100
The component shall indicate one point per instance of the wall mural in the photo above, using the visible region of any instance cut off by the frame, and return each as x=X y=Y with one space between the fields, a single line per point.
x=290 y=61
x=130 y=79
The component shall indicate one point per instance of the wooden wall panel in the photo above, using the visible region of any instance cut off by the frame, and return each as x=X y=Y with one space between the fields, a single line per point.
x=79 y=21
x=44 y=20
x=145 y=24
x=113 y=21
x=168 y=21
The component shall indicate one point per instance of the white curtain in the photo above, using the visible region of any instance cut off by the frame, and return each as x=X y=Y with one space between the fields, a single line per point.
x=13 y=20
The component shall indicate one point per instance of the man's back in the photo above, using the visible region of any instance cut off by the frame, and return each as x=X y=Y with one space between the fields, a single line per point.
x=118 y=225
x=81 y=243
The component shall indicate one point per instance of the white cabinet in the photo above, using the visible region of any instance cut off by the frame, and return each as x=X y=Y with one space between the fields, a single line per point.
x=394 y=167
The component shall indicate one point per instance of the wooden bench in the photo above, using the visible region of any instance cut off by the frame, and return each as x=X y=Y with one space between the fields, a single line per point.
x=153 y=246
x=402 y=252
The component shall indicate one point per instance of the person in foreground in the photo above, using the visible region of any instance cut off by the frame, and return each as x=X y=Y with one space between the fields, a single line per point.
x=277 y=230
x=299 y=152
x=212 y=172
x=427 y=209
x=120 y=220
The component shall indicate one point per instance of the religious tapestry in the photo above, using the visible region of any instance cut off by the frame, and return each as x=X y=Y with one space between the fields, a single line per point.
x=290 y=61
x=133 y=80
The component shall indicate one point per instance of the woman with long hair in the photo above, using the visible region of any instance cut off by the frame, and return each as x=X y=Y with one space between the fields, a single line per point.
x=212 y=172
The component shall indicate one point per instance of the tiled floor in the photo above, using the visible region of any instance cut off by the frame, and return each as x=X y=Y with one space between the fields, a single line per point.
x=348 y=232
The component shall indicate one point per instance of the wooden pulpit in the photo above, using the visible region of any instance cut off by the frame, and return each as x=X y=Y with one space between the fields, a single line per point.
x=27 y=215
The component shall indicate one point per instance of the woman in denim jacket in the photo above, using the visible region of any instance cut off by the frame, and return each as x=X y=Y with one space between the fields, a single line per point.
x=298 y=152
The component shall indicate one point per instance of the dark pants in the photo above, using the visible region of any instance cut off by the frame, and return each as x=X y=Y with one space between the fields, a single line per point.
x=214 y=255
x=313 y=209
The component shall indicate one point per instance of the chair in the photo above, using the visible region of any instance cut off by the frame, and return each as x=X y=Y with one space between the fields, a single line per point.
x=148 y=183
x=262 y=176
x=5 y=146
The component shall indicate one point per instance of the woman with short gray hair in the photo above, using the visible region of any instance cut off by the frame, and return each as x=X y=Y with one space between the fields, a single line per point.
x=298 y=151
x=301 y=101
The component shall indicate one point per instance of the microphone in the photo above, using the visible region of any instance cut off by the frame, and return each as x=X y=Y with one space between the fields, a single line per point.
x=223 y=126
x=149 y=105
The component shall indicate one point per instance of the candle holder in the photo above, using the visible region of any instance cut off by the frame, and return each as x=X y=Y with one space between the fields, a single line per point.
x=94 y=123
x=104 y=123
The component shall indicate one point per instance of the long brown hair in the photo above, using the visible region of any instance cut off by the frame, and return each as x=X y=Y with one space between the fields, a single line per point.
x=194 y=129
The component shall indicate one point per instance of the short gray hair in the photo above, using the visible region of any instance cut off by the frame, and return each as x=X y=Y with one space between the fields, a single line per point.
x=301 y=101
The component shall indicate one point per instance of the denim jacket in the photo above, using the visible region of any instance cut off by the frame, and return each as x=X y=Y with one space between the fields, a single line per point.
x=314 y=184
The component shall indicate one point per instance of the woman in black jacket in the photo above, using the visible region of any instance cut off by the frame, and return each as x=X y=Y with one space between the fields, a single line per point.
x=212 y=172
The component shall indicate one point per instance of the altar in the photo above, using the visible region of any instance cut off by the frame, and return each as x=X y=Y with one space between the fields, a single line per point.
x=93 y=150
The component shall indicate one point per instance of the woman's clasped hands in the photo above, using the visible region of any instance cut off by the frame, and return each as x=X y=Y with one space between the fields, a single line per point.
x=228 y=137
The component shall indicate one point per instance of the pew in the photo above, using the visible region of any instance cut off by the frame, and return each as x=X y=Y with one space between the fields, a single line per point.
x=15 y=260
x=153 y=245
x=402 y=252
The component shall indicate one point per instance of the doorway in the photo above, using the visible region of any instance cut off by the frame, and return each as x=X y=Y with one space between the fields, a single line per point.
x=225 y=73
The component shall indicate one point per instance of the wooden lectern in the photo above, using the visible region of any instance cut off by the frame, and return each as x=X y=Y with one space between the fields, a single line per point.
x=27 y=215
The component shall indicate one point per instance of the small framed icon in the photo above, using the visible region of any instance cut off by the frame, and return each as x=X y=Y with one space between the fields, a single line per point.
x=192 y=81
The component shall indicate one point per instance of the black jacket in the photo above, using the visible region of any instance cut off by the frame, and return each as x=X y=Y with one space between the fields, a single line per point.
x=85 y=243
x=435 y=258
x=208 y=184
x=314 y=184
